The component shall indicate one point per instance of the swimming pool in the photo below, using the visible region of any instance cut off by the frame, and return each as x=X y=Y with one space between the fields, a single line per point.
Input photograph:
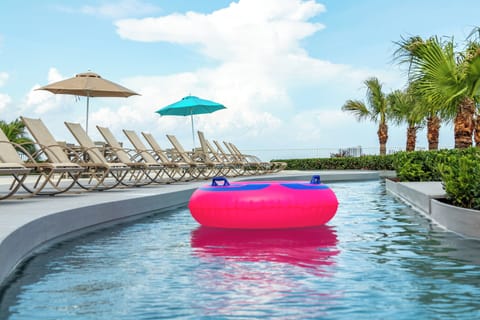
x=376 y=259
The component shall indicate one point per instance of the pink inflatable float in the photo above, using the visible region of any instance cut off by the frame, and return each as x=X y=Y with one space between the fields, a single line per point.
x=263 y=205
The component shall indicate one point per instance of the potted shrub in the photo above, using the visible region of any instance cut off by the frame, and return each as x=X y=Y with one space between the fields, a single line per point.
x=460 y=176
x=460 y=211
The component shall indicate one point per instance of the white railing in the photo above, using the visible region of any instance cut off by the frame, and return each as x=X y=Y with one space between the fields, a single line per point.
x=306 y=153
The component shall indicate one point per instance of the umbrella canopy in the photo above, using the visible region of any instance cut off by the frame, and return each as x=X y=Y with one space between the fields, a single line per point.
x=88 y=84
x=189 y=106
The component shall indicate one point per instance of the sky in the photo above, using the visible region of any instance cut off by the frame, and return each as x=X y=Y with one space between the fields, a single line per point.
x=282 y=68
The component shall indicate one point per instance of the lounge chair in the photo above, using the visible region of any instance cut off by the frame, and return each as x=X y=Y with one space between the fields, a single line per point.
x=246 y=167
x=175 y=170
x=253 y=162
x=196 y=169
x=143 y=172
x=11 y=165
x=107 y=175
x=272 y=166
x=210 y=156
x=55 y=173
x=208 y=170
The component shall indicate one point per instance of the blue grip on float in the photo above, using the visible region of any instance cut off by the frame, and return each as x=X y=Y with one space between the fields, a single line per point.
x=315 y=179
x=218 y=179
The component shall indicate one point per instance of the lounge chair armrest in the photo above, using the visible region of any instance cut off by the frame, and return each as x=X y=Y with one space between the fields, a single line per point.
x=20 y=148
x=152 y=153
x=198 y=156
x=110 y=153
x=173 y=155
x=136 y=156
x=74 y=154
x=71 y=153
x=81 y=153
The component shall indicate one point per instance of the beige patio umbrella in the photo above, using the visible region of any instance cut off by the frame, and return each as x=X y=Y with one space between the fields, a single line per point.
x=88 y=84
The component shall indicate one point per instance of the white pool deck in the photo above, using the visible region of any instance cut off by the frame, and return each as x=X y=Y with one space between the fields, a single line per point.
x=28 y=225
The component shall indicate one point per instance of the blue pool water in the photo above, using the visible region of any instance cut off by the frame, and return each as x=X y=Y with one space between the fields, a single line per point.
x=377 y=259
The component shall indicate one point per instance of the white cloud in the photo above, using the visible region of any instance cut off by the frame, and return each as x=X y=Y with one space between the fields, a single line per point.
x=54 y=75
x=119 y=9
x=245 y=30
x=261 y=63
x=261 y=72
x=3 y=78
x=5 y=99
x=43 y=101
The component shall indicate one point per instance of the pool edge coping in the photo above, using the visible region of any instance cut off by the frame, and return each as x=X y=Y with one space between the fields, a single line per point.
x=425 y=197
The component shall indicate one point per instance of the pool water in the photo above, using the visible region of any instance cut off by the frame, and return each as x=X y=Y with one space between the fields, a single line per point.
x=377 y=259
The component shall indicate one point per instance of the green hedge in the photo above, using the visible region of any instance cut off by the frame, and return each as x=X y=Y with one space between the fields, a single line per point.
x=353 y=163
x=460 y=174
x=419 y=165
x=458 y=169
x=425 y=165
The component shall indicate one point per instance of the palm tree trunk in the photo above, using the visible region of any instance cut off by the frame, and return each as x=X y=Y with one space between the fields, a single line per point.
x=463 y=123
x=383 y=137
x=476 y=133
x=411 y=137
x=433 y=132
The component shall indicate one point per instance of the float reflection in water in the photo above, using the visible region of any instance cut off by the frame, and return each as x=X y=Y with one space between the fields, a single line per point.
x=306 y=247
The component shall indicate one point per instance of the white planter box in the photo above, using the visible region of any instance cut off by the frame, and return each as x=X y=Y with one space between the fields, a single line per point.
x=465 y=222
x=416 y=194
x=426 y=197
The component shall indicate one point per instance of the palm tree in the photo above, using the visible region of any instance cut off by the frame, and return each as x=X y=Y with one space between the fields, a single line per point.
x=448 y=80
x=408 y=49
x=15 y=132
x=376 y=110
x=433 y=114
x=405 y=107
x=471 y=57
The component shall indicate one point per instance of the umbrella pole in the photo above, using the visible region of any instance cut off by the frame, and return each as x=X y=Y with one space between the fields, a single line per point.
x=193 y=131
x=86 y=120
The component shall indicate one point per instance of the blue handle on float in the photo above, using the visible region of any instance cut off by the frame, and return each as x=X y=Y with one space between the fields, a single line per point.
x=217 y=179
x=315 y=179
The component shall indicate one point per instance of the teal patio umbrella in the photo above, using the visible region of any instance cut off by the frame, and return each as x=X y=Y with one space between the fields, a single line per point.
x=189 y=106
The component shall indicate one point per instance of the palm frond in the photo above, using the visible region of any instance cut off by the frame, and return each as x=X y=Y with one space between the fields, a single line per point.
x=436 y=73
x=376 y=99
x=405 y=107
x=15 y=132
x=474 y=35
x=407 y=50
x=472 y=74
x=357 y=108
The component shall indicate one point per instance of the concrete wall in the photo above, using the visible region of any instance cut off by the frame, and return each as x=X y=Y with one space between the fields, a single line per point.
x=465 y=222
x=426 y=196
